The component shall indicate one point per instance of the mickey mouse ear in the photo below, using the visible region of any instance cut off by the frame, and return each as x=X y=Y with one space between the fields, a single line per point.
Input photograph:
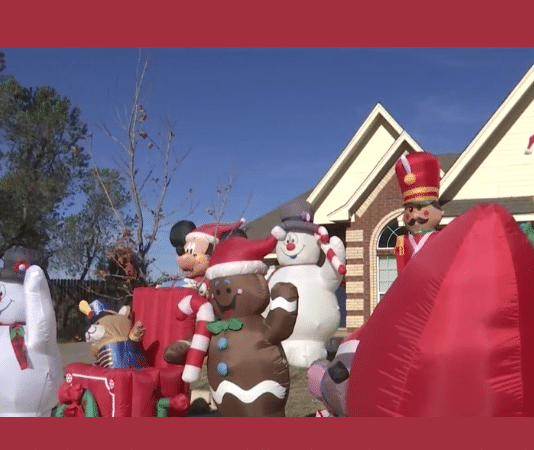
x=179 y=231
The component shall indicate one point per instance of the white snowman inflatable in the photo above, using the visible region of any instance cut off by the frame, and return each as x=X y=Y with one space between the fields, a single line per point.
x=299 y=253
x=31 y=369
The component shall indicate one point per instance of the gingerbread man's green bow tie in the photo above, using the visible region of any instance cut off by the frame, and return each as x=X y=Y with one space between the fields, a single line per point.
x=222 y=325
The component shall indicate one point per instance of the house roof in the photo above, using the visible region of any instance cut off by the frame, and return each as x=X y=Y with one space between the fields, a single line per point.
x=367 y=159
x=262 y=226
x=446 y=160
x=490 y=135
x=378 y=117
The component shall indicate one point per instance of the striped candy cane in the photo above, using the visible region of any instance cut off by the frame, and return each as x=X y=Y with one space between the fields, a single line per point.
x=324 y=240
x=201 y=308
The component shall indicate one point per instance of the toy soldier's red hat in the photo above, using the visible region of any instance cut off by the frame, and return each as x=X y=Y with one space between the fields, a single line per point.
x=239 y=256
x=212 y=231
x=418 y=174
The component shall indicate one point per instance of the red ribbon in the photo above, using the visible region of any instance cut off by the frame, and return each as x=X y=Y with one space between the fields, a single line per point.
x=71 y=395
x=16 y=334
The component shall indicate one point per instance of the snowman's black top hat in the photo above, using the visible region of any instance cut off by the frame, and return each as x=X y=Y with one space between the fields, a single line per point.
x=297 y=215
x=17 y=260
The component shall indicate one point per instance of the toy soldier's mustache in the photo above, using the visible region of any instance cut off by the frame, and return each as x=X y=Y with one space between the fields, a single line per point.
x=420 y=221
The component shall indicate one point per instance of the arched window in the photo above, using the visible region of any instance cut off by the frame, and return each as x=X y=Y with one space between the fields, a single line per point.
x=389 y=234
x=386 y=262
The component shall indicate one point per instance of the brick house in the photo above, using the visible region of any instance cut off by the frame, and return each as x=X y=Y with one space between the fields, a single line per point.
x=359 y=199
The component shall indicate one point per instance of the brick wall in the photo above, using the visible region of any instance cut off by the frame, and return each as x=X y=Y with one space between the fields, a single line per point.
x=382 y=205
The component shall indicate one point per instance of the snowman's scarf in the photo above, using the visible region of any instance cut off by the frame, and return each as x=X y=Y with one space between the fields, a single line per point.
x=16 y=334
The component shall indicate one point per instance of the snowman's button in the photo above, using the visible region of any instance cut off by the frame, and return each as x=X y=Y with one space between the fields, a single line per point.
x=222 y=343
x=222 y=369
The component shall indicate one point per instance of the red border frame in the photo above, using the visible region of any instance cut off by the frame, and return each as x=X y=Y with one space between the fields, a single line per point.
x=250 y=433
x=275 y=23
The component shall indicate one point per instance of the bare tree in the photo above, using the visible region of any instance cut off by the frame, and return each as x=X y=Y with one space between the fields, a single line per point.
x=140 y=137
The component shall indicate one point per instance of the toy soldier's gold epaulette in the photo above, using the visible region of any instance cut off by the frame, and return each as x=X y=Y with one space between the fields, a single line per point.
x=399 y=245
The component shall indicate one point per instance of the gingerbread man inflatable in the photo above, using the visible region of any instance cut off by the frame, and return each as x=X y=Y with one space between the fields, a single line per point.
x=248 y=371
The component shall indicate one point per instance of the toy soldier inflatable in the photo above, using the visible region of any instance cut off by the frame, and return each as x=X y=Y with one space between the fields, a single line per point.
x=418 y=174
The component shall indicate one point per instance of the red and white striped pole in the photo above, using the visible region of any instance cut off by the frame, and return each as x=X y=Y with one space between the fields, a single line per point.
x=201 y=309
x=324 y=240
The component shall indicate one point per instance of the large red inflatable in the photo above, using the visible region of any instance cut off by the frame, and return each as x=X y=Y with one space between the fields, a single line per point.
x=454 y=335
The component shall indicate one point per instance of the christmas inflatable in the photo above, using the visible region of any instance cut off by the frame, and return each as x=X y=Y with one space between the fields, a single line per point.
x=135 y=391
x=114 y=342
x=299 y=252
x=328 y=380
x=194 y=248
x=418 y=174
x=453 y=335
x=31 y=369
x=247 y=369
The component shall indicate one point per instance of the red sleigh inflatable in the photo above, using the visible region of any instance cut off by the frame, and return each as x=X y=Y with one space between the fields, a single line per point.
x=154 y=391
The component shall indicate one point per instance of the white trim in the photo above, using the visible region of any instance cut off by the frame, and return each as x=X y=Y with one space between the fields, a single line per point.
x=200 y=342
x=199 y=234
x=281 y=302
x=205 y=313
x=108 y=384
x=418 y=246
x=250 y=395
x=348 y=347
x=190 y=373
x=525 y=217
x=228 y=269
x=184 y=305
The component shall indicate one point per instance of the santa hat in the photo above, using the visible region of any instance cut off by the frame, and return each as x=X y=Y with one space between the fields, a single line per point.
x=418 y=175
x=212 y=231
x=238 y=256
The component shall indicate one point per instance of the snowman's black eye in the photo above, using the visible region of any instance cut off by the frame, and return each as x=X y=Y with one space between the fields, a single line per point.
x=2 y=290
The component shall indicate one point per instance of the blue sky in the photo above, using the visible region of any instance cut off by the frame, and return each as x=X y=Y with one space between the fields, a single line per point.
x=276 y=117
